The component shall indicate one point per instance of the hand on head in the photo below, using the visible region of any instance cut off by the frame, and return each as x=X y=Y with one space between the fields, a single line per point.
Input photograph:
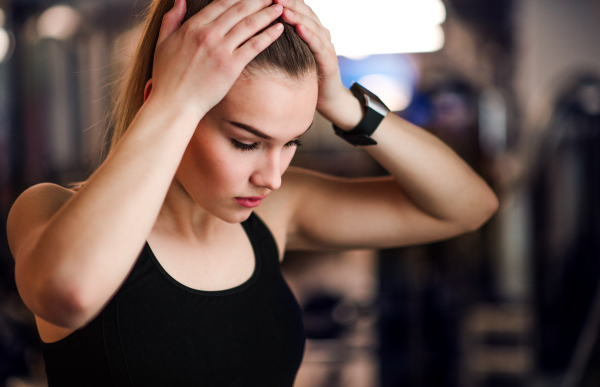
x=197 y=63
x=335 y=101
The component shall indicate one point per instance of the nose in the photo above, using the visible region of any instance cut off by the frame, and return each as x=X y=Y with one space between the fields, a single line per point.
x=268 y=172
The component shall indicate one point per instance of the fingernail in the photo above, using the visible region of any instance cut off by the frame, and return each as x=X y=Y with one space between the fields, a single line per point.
x=278 y=7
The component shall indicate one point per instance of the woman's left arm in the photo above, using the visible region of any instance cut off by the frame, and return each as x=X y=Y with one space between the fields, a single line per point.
x=433 y=194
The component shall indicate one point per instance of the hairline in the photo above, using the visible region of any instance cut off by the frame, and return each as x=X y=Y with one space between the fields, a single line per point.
x=273 y=70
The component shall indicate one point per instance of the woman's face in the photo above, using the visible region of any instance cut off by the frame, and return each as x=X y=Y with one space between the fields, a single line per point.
x=243 y=146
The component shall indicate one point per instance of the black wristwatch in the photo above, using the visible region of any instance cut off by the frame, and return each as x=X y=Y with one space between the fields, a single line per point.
x=375 y=113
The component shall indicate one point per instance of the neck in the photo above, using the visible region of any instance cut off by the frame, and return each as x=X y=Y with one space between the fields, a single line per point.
x=182 y=217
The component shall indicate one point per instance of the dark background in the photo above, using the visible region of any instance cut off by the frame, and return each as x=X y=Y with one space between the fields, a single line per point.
x=516 y=303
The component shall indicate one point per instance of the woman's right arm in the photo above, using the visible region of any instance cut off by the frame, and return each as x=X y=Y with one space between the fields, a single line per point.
x=73 y=251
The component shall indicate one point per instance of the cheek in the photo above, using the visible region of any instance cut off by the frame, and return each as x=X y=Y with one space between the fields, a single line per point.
x=211 y=167
x=286 y=158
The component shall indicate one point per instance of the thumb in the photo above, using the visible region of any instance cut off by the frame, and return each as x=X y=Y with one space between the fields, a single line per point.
x=172 y=20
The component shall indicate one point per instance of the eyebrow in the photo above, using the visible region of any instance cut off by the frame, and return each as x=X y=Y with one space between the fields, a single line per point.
x=257 y=132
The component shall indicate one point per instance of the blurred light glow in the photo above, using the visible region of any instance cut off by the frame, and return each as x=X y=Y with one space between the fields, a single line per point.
x=59 y=22
x=492 y=122
x=382 y=26
x=357 y=57
x=392 y=91
x=4 y=44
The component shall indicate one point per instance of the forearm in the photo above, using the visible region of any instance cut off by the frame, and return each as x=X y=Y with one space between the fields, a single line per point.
x=432 y=176
x=90 y=245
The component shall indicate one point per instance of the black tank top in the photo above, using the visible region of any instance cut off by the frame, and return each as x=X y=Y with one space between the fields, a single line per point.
x=158 y=332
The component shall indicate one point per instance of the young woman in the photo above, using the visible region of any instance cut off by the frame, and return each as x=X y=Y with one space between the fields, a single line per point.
x=163 y=268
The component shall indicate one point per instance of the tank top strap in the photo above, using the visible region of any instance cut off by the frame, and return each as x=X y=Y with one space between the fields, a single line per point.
x=262 y=240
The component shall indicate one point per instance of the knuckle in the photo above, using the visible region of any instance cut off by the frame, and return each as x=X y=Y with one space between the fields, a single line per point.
x=220 y=61
x=250 y=23
x=241 y=7
x=217 y=57
x=223 y=3
x=255 y=44
x=205 y=38
x=168 y=16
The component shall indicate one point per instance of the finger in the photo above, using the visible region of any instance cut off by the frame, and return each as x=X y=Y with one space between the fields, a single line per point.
x=300 y=7
x=240 y=11
x=295 y=18
x=248 y=27
x=258 y=44
x=212 y=11
x=172 y=20
x=322 y=49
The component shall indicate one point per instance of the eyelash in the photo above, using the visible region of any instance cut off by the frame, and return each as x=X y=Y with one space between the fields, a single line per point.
x=245 y=147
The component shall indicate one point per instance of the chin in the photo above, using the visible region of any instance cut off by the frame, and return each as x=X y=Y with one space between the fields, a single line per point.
x=236 y=216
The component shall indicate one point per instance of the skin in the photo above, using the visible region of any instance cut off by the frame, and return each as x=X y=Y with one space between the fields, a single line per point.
x=200 y=216
x=213 y=170
x=173 y=178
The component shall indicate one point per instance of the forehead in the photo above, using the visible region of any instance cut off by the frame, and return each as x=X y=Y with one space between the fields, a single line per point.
x=273 y=103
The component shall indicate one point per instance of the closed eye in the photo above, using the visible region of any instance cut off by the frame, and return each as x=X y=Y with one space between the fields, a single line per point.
x=249 y=147
x=244 y=147
x=296 y=143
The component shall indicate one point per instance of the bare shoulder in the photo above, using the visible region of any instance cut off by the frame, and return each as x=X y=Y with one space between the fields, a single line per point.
x=278 y=208
x=297 y=177
x=296 y=182
x=302 y=183
x=300 y=180
x=33 y=208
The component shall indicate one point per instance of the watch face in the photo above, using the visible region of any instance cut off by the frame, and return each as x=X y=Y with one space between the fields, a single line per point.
x=369 y=99
x=376 y=104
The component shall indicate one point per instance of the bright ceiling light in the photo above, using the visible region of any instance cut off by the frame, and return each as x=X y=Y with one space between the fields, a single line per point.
x=357 y=43
x=382 y=26
x=59 y=22
x=4 y=44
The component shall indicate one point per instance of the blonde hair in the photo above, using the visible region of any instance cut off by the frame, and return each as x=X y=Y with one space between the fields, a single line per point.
x=289 y=54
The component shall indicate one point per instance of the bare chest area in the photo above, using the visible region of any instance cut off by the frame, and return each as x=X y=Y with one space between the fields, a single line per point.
x=222 y=263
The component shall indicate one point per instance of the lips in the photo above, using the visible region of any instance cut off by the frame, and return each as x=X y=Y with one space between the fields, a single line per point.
x=251 y=201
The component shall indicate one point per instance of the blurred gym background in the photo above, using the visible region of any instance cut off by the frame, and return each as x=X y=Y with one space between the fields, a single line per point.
x=512 y=85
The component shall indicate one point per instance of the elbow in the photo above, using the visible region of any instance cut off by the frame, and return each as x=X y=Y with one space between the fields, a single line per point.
x=65 y=305
x=57 y=302
x=486 y=207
